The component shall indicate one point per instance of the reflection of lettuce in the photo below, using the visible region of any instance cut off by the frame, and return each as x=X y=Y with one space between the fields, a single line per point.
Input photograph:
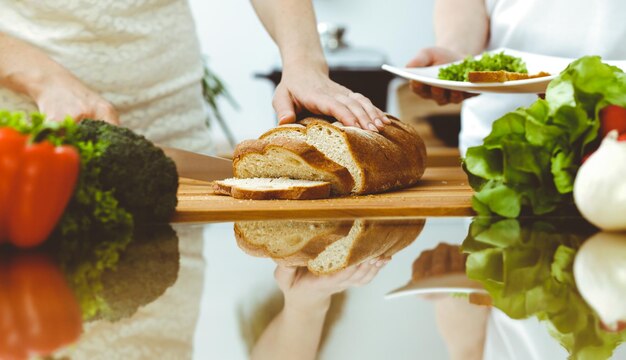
x=146 y=269
x=526 y=266
x=530 y=158
x=114 y=271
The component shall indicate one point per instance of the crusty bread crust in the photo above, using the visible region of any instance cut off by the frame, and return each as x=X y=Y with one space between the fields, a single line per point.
x=392 y=159
x=337 y=175
x=501 y=76
x=306 y=192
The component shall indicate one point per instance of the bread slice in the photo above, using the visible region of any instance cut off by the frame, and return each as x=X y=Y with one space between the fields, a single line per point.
x=501 y=76
x=367 y=239
x=290 y=158
x=295 y=241
x=271 y=188
x=391 y=159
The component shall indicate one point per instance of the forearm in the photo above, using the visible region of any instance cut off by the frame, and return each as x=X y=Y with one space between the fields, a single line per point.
x=24 y=68
x=461 y=25
x=292 y=25
x=293 y=334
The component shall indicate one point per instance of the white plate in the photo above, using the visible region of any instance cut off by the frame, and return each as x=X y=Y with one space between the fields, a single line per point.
x=534 y=63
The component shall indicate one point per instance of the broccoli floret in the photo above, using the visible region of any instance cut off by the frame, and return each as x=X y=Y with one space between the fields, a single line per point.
x=142 y=178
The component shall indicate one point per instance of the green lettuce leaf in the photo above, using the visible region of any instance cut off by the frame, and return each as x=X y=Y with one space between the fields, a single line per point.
x=531 y=157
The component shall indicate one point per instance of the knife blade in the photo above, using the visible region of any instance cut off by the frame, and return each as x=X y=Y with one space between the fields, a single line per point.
x=199 y=166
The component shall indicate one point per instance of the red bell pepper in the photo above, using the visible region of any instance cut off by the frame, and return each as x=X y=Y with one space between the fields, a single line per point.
x=39 y=314
x=36 y=182
x=612 y=117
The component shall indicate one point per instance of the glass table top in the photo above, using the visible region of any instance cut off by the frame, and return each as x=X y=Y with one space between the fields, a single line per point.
x=398 y=288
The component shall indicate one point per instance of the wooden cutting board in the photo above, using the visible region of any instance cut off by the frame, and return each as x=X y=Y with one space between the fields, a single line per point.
x=443 y=191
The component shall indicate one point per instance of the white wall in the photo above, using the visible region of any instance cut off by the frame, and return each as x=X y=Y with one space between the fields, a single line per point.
x=238 y=46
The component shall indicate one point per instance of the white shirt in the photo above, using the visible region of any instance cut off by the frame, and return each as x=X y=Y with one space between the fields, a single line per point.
x=565 y=28
x=141 y=55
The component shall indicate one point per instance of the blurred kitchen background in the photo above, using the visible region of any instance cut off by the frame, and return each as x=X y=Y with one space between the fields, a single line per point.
x=239 y=51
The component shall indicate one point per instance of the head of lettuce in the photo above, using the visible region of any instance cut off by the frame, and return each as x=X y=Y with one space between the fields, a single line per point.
x=529 y=161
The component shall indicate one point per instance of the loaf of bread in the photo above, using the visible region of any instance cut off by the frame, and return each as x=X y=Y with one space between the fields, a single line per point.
x=325 y=247
x=501 y=76
x=392 y=159
x=272 y=188
x=289 y=158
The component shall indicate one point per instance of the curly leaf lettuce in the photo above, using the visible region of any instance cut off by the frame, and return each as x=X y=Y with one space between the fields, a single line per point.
x=487 y=62
x=530 y=159
x=526 y=266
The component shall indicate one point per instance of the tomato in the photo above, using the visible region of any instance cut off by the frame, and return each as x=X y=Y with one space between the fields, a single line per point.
x=622 y=137
x=612 y=117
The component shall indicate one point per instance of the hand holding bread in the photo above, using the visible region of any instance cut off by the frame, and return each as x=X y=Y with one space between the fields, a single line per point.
x=305 y=89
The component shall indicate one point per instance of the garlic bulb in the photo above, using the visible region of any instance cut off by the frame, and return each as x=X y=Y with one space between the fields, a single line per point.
x=600 y=186
x=600 y=275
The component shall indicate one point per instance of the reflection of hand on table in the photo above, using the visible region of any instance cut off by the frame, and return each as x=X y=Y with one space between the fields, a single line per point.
x=295 y=333
x=461 y=323
x=304 y=290
x=443 y=259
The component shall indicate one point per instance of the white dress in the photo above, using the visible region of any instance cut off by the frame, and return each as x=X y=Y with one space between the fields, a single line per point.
x=565 y=28
x=141 y=55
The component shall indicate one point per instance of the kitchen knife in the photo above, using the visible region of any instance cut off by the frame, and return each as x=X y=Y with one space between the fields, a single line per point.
x=196 y=166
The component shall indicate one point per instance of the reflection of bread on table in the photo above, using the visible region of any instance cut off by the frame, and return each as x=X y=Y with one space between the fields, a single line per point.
x=326 y=247
x=284 y=239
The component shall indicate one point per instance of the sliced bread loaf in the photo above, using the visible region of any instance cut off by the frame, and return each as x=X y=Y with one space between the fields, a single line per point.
x=289 y=158
x=272 y=188
x=296 y=241
x=391 y=159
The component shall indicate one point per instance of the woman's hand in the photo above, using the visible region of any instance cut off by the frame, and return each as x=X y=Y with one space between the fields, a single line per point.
x=305 y=88
x=57 y=93
x=65 y=96
x=304 y=290
x=436 y=56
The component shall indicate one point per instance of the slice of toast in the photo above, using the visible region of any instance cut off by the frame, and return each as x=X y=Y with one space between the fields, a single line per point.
x=501 y=76
x=273 y=188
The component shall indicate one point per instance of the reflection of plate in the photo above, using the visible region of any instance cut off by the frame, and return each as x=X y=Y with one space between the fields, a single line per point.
x=443 y=284
x=534 y=62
